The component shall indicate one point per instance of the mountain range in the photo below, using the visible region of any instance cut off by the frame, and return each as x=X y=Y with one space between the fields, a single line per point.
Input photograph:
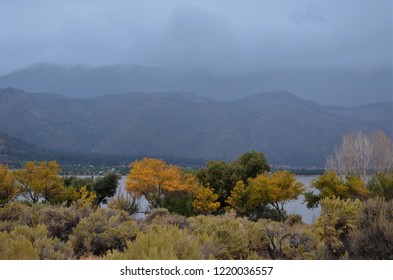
x=336 y=86
x=288 y=129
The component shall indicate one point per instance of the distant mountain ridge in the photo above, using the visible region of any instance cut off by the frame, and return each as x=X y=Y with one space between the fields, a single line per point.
x=15 y=152
x=12 y=149
x=329 y=86
x=289 y=130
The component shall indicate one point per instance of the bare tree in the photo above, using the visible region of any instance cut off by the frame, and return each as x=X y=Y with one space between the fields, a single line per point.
x=353 y=156
x=382 y=160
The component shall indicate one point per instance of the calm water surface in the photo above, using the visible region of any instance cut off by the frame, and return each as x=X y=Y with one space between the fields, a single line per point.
x=292 y=207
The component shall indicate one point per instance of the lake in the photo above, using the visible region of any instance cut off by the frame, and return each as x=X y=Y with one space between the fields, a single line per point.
x=292 y=207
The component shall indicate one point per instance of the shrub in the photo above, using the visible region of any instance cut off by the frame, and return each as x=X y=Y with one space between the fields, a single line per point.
x=284 y=241
x=220 y=237
x=124 y=202
x=373 y=236
x=102 y=230
x=381 y=185
x=25 y=242
x=59 y=221
x=16 y=248
x=293 y=219
x=161 y=243
x=335 y=224
x=161 y=216
x=16 y=213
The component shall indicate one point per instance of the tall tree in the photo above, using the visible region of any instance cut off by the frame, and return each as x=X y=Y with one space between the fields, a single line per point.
x=40 y=180
x=154 y=179
x=352 y=157
x=274 y=190
x=218 y=175
x=105 y=187
x=8 y=186
x=382 y=160
x=249 y=165
x=222 y=177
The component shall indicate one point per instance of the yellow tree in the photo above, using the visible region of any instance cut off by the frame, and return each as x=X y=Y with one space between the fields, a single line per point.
x=205 y=201
x=239 y=199
x=330 y=185
x=154 y=179
x=8 y=187
x=274 y=190
x=40 y=180
x=86 y=197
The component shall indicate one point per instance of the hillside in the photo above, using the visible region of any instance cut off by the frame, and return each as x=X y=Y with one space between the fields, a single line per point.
x=12 y=150
x=289 y=130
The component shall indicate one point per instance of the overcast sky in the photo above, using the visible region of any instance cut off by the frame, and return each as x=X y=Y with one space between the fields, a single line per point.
x=220 y=36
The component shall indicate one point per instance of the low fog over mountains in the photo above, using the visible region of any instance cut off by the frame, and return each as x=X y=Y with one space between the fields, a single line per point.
x=288 y=129
x=334 y=86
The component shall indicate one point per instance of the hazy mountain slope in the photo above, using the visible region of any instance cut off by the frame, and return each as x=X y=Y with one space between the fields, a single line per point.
x=171 y=124
x=12 y=150
x=44 y=119
x=330 y=86
x=288 y=129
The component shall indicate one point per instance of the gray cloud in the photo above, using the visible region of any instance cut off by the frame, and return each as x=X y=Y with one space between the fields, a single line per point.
x=310 y=16
x=223 y=37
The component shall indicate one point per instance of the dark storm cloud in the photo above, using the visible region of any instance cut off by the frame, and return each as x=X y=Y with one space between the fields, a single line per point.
x=219 y=36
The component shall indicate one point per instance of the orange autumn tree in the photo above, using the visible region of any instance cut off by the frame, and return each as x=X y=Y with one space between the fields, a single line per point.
x=153 y=179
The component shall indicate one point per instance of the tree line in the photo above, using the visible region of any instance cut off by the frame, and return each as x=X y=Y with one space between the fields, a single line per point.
x=225 y=210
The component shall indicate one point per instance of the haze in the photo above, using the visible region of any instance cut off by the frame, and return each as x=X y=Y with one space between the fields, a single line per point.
x=222 y=38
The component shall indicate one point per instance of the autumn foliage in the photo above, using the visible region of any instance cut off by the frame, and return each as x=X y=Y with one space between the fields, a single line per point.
x=45 y=216
x=273 y=190
x=154 y=179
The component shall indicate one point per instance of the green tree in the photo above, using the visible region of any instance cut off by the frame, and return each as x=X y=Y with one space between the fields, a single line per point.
x=179 y=202
x=105 y=187
x=249 y=165
x=218 y=176
x=222 y=177
x=381 y=185
x=77 y=182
